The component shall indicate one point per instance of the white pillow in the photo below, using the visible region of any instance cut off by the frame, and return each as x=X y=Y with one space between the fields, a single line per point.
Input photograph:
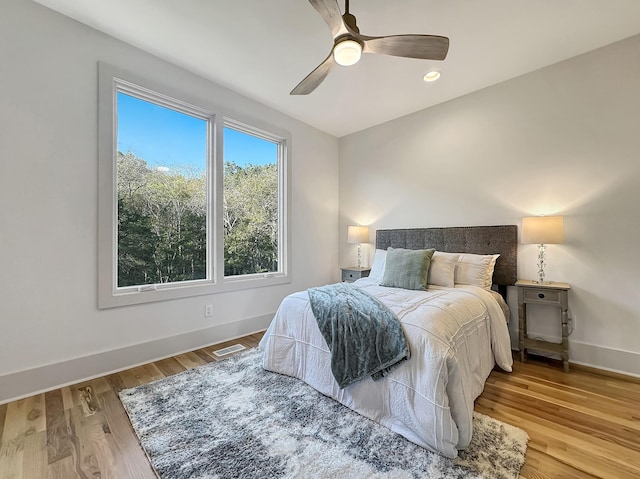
x=377 y=267
x=475 y=269
x=442 y=269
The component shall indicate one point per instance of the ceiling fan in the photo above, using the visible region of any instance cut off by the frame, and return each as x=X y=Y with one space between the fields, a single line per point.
x=349 y=44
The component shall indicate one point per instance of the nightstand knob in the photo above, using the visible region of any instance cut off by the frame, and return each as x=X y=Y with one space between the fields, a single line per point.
x=541 y=295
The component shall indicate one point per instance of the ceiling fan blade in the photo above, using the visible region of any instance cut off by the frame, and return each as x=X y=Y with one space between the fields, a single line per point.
x=330 y=11
x=425 y=47
x=313 y=79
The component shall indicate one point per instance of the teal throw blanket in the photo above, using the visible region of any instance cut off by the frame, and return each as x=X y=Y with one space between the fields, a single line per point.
x=365 y=337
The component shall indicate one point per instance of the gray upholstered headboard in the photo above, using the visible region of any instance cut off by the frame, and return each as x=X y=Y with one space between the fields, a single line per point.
x=462 y=239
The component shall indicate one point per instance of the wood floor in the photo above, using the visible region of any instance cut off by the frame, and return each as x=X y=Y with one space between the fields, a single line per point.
x=581 y=425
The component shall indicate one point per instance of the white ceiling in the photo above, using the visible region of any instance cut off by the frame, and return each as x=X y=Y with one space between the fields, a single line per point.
x=263 y=48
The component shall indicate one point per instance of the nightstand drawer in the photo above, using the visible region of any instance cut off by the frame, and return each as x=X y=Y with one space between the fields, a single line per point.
x=351 y=274
x=545 y=296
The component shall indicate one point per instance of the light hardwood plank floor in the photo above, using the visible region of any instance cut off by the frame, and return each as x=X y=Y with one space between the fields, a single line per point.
x=580 y=424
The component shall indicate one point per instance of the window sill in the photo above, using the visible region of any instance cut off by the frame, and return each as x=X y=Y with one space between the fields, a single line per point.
x=134 y=296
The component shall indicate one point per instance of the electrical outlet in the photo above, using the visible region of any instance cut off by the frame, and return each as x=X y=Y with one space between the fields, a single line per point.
x=208 y=310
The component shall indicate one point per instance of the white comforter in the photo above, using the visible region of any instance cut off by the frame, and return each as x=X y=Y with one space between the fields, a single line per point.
x=454 y=335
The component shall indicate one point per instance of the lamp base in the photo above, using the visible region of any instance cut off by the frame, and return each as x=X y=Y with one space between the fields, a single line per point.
x=541 y=263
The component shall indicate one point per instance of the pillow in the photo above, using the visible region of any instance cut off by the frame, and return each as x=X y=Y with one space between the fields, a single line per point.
x=407 y=268
x=377 y=267
x=442 y=269
x=475 y=269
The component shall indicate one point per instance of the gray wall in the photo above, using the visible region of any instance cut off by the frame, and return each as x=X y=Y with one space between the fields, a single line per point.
x=51 y=330
x=562 y=140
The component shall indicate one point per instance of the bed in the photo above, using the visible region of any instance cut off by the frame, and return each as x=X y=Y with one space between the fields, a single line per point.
x=456 y=334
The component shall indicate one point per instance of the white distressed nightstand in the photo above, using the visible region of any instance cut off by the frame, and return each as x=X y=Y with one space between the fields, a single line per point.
x=352 y=273
x=552 y=294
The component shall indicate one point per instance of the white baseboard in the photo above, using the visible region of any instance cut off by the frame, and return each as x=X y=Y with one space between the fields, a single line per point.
x=26 y=383
x=597 y=357
x=587 y=354
x=609 y=359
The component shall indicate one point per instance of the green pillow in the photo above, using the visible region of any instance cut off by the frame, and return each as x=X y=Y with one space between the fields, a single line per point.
x=407 y=268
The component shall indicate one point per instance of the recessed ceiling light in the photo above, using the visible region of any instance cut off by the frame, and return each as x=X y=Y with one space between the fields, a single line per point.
x=432 y=75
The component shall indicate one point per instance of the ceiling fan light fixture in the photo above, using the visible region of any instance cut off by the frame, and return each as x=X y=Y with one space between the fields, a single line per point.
x=347 y=53
x=432 y=75
x=349 y=44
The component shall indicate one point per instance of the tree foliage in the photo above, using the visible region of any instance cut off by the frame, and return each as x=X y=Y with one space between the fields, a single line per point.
x=250 y=219
x=162 y=218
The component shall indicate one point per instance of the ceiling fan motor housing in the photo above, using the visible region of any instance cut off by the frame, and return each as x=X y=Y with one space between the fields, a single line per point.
x=350 y=21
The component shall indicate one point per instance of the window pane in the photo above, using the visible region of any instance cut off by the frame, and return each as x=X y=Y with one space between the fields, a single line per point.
x=251 y=213
x=162 y=194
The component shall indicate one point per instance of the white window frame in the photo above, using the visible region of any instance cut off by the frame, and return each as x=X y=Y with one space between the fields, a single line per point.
x=110 y=81
x=282 y=160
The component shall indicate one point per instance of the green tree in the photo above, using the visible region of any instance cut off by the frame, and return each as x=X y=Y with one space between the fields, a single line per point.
x=162 y=222
x=250 y=219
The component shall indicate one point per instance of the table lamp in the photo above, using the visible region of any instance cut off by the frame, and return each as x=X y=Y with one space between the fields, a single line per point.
x=542 y=230
x=359 y=235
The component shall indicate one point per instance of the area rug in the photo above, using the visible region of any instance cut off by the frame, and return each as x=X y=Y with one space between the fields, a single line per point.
x=232 y=419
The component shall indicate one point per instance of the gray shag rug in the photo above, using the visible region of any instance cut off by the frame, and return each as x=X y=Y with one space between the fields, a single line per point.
x=232 y=419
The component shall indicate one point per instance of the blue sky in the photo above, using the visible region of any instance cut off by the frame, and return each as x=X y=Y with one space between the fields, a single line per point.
x=165 y=137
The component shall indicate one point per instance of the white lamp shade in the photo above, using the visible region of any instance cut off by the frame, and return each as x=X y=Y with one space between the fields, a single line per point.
x=358 y=234
x=543 y=229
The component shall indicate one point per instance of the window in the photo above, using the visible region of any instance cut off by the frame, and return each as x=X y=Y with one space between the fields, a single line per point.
x=251 y=200
x=161 y=182
x=190 y=202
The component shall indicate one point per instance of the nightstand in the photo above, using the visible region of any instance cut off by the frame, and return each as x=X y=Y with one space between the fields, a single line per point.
x=352 y=273
x=551 y=294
